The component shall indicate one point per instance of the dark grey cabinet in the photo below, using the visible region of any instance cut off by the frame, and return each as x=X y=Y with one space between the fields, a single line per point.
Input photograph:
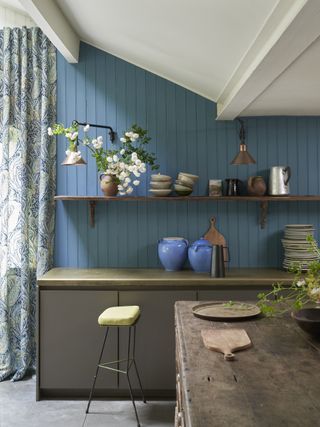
x=155 y=340
x=70 y=339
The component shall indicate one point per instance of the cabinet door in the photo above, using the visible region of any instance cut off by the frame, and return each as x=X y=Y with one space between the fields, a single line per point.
x=155 y=337
x=71 y=339
x=230 y=294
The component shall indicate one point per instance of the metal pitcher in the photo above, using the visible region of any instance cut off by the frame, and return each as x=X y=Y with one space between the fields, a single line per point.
x=217 y=261
x=279 y=180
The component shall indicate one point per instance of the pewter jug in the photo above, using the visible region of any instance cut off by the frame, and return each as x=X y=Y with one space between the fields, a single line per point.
x=279 y=180
x=217 y=262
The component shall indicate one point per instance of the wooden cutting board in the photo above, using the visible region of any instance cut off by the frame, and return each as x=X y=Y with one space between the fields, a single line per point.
x=226 y=341
x=216 y=238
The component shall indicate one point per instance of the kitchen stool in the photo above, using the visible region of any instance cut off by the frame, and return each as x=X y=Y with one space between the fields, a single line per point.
x=125 y=316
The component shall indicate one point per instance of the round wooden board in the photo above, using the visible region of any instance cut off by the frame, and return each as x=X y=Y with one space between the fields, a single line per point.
x=224 y=310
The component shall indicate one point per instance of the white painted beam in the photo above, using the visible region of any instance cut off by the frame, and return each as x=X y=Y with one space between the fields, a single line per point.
x=47 y=15
x=290 y=29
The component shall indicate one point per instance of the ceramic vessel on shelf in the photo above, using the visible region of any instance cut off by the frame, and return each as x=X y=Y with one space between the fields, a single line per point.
x=182 y=190
x=232 y=187
x=160 y=193
x=159 y=177
x=279 y=181
x=200 y=254
x=160 y=185
x=108 y=185
x=256 y=186
x=309 y=320
x=173 y=252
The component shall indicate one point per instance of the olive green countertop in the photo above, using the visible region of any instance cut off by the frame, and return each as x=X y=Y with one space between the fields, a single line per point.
x=143 y=278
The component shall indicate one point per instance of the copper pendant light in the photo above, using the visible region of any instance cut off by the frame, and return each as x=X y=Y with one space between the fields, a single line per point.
x=243 y=157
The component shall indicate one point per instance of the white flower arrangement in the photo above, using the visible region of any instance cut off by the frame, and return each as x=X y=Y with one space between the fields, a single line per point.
x=121 y=164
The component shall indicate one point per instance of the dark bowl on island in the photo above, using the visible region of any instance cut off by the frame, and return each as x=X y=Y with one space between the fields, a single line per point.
x=309 y=320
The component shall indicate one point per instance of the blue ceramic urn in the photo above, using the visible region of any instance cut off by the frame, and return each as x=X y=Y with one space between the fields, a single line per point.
x=200 y=253
x=173 y=252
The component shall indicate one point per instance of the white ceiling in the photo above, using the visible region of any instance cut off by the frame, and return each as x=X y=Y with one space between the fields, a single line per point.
x=252 y=57
x=195 y=43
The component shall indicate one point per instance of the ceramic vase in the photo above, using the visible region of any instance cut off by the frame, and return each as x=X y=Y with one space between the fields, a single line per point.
x=108 y=185
x=173 y=252
x=256 y=186
x=200 y=253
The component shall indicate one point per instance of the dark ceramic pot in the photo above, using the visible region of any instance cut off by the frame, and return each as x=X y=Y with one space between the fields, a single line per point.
x=309 y=320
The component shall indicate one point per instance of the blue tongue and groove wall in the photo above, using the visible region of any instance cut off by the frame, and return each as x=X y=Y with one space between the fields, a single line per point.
x=186 y=137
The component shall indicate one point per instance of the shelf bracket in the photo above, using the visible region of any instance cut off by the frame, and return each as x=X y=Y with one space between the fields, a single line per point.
x=92 y=212
x=263 y=214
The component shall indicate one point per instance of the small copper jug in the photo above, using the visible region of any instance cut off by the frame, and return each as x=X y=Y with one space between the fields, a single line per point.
x=256 y=186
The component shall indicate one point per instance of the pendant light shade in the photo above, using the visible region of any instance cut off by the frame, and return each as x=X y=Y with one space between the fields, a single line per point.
x=243 y=157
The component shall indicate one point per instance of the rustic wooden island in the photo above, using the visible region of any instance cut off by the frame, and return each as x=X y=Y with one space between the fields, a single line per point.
x=70 y=301
x=274 y=383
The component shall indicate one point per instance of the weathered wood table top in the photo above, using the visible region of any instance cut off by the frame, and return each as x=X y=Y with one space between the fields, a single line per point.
x=154 y=278
x=274 y=383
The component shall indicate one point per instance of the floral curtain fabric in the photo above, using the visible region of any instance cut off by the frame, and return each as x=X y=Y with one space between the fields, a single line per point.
x=27 y=187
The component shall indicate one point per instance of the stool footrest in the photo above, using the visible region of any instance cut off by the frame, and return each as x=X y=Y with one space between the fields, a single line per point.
x=105 y=365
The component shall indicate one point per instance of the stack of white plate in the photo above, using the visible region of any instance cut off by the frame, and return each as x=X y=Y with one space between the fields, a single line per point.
x=297 y=251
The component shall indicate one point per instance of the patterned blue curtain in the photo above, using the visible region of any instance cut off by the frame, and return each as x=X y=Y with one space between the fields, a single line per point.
x=27 y=187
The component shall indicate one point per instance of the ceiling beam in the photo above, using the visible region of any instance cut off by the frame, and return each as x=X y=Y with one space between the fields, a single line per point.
x=289 y=30
x=47 y=15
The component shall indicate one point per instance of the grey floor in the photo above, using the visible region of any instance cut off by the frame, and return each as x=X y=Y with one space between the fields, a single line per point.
x=18 y=408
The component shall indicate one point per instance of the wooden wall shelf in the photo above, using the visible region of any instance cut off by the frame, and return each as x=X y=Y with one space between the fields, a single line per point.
x=264 y=200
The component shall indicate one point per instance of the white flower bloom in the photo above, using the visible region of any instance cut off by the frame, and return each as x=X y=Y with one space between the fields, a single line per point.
x=122 y=175
x=100 y=138
x=120 y=188
x=134 y=156
x=123 y=140
x=108 y=171
x=135 y=136
x=138 y=162
x=74 y=136
x=129 y=190
x=86 y=128
x=109 y=159
x=50 y=132
x=122 y=193
x=136 y=173
x=115 y=158
x=132 y=139
x=128 y=134
x=127 y=179
x=86 y=141
x=97 y=143
x=68 y=152
x=123 y=150
x=130 y=168
x=315 y=291
x=301 y=283
x=69 y=135
x=125 y=185
x=136 y=182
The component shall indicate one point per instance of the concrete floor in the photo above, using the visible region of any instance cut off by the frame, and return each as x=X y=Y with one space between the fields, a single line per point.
x=18 y=408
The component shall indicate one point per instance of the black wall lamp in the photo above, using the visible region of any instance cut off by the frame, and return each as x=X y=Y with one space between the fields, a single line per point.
x=243 y=157
x=70 y=160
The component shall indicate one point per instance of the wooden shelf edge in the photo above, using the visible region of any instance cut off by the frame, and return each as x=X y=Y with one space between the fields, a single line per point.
x=189 y=198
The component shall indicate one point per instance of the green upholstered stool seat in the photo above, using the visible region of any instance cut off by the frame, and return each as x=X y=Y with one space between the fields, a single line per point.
x=119 y=316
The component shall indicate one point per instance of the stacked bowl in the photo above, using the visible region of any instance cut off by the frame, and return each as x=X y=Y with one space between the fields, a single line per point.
x=184 y=183
x=160 y=185
x=297 y=250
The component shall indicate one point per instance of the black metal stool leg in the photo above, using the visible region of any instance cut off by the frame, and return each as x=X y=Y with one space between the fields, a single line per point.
x=135 y=365
x=97 y=370
x=128 y=379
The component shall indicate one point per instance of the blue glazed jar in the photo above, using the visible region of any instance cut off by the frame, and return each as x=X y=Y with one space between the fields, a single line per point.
x=200 y=253
x=173 y=252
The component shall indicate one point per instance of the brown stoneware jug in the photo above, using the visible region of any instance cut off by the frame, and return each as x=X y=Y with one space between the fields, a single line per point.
x=256 y=186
